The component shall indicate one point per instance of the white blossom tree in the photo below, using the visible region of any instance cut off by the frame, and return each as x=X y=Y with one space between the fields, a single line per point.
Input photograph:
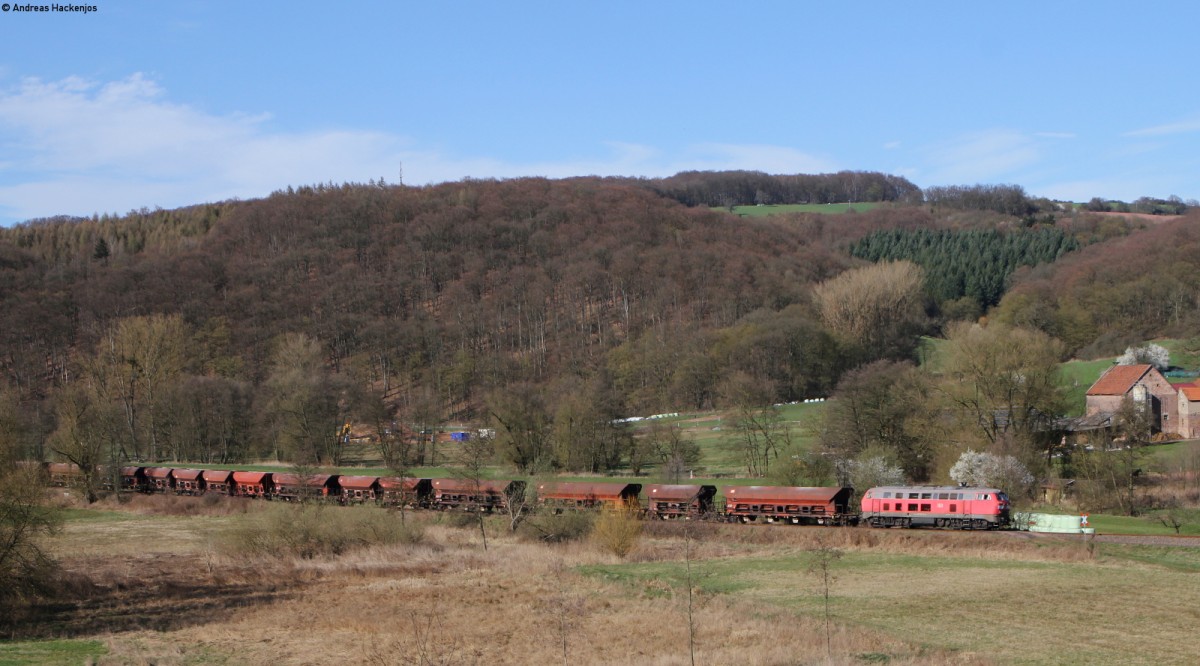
x=1156 y=355
x=869 y=471
x=986 y=469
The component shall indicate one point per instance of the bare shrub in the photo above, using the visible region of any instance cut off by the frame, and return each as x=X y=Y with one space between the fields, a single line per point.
x=26 y=570
x=557 y=528
x=308 y=531
x=618 y=530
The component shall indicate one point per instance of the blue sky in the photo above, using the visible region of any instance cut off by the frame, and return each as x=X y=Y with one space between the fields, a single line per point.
x=173 y=103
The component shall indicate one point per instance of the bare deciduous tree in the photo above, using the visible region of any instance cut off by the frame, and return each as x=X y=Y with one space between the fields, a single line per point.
x=823 y=557
x=758 y=436
x=877 y=308
x=26 y=570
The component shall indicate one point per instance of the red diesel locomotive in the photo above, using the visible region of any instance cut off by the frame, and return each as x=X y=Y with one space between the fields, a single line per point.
x=952 y=507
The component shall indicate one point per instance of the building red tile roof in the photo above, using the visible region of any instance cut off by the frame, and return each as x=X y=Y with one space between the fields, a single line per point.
x=1192 y=392
x=1119 y=379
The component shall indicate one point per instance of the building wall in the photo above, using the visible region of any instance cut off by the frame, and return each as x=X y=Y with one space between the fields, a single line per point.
x=1189 y=417
x=1168 y=397
x=1097 y=404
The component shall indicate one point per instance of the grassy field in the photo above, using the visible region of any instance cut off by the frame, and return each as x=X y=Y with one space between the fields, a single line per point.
x=711 y=431
x=1017 y=606
x=51 y=652
x=1078 y=376
x=825 y=209
x=166 y=591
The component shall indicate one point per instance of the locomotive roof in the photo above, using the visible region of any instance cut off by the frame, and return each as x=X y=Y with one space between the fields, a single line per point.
x=939 y=489
x=783 y=493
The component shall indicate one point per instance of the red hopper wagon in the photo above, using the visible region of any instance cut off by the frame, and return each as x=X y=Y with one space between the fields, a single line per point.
x=796 y=505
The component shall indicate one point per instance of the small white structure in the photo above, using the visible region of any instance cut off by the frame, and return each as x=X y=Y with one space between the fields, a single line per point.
x=1052 y=523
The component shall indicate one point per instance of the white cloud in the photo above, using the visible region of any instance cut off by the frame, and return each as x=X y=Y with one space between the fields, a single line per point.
x=981 y=157
x=1181 y=127
x=77 y=146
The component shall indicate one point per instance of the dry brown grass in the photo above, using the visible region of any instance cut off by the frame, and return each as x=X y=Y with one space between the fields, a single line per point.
x=514 y=604
x=158 y=592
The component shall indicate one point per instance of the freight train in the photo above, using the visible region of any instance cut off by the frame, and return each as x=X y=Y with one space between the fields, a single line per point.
x=945 y=507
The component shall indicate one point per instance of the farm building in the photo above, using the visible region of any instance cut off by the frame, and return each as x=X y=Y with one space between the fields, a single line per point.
x=1143 y=384
x=1189 y=411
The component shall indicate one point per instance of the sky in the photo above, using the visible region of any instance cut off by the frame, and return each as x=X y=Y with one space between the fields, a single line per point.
x=167 y=104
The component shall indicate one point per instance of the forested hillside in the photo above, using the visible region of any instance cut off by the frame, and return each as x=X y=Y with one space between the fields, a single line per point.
x=1116 y=293
x=247 y=329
